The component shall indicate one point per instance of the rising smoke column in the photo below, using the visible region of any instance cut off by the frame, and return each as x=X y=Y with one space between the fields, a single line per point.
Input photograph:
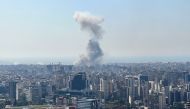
x=91 y=24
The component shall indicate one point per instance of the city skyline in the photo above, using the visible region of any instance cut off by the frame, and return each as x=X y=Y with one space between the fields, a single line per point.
x=47 y=29
x=94 y=54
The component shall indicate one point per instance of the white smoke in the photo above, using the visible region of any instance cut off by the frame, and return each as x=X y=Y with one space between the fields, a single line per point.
x=91 y=24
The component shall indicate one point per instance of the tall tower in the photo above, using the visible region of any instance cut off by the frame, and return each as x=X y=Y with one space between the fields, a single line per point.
x=35 y=93
x=12 y=92
x=101 y=84
x=131 y=85
x=79 y=82
x=104 y=87
x=162 y=99
x=143 y=90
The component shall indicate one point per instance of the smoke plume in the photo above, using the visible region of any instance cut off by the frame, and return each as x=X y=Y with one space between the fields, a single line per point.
x=91 y=24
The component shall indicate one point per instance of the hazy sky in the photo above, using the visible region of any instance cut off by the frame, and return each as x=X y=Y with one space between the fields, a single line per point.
x=46 y=28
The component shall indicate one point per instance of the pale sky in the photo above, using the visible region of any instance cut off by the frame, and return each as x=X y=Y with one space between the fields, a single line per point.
x=46 y=28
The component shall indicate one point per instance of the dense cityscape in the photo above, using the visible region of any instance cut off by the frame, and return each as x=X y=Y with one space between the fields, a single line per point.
x=94 y=54
x=114 y=86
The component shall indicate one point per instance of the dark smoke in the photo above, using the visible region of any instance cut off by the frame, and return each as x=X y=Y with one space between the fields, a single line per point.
x=91 y=24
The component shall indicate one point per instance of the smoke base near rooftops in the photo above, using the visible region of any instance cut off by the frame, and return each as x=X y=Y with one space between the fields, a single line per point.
x=91 y=24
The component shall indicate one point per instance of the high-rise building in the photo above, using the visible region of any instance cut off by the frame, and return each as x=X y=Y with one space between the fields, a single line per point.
x=174 y=96
x=186 y=77
x=58 y=80
x=171 y=97
x=104 y=87
x=131 y=85
x=188 y=96
x=79 y=81
x=44 y=89
x=143 y=90
x=111 y=86
x=12 y=92
x=35 y=93
x=101 y=84
x=162 y=99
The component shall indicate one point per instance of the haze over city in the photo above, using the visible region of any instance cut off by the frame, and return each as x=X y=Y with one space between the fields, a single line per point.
x=94 y=54
x=134 y=31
